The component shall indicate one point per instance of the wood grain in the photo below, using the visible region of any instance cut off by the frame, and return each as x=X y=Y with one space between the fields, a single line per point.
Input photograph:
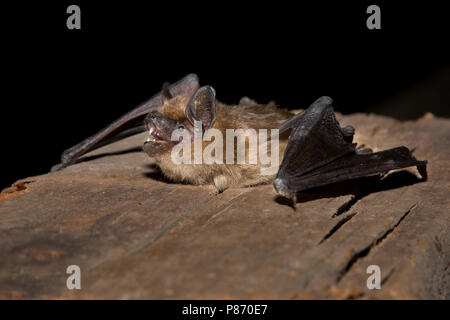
x=137 y=236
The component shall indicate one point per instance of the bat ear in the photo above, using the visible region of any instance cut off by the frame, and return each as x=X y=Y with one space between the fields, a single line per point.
x=202 y=107
x=165 y=93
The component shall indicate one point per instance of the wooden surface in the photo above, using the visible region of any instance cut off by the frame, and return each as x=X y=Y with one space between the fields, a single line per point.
x=135 y=235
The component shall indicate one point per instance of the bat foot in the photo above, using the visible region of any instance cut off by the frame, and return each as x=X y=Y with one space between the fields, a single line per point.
x=216 y=192
x=221 y=184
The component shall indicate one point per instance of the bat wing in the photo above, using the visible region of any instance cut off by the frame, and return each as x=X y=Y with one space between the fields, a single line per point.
x=320 y=152
x=130 y=123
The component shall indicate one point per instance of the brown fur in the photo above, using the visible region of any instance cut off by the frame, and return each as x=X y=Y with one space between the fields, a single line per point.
x=244 y=116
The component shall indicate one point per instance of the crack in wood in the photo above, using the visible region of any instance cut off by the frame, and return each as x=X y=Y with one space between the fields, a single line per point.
x=364 y=252
x=386 y=278
x=361 y=193
x=169 y=226
x=231 y=202
x=384 y=181
x=18 y=188
x=337 y=226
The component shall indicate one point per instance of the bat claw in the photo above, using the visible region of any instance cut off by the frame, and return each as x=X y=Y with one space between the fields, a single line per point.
x=216 y=191
x=422 y=168
x=283 y=190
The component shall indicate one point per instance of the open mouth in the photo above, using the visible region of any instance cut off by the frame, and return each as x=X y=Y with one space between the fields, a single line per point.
x=154 y=135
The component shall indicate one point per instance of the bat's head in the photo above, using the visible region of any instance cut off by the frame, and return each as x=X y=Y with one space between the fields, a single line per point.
x=179 y=113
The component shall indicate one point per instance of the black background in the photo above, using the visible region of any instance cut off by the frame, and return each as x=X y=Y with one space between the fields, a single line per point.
x=172 y=309
x=61 y=85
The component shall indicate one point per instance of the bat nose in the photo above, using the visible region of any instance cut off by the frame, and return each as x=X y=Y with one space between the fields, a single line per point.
x=157 y=121
x=153 y=121
x=150 y=125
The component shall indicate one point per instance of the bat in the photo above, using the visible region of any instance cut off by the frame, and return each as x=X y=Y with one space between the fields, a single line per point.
x=311 y=146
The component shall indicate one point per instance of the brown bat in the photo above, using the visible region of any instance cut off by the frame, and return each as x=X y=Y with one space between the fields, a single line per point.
x=311 y=146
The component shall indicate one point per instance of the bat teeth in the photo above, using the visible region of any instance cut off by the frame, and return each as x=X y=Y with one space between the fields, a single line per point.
x=150 y=139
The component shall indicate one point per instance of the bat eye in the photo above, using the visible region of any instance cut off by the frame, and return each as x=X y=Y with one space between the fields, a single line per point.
x=181 y=127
